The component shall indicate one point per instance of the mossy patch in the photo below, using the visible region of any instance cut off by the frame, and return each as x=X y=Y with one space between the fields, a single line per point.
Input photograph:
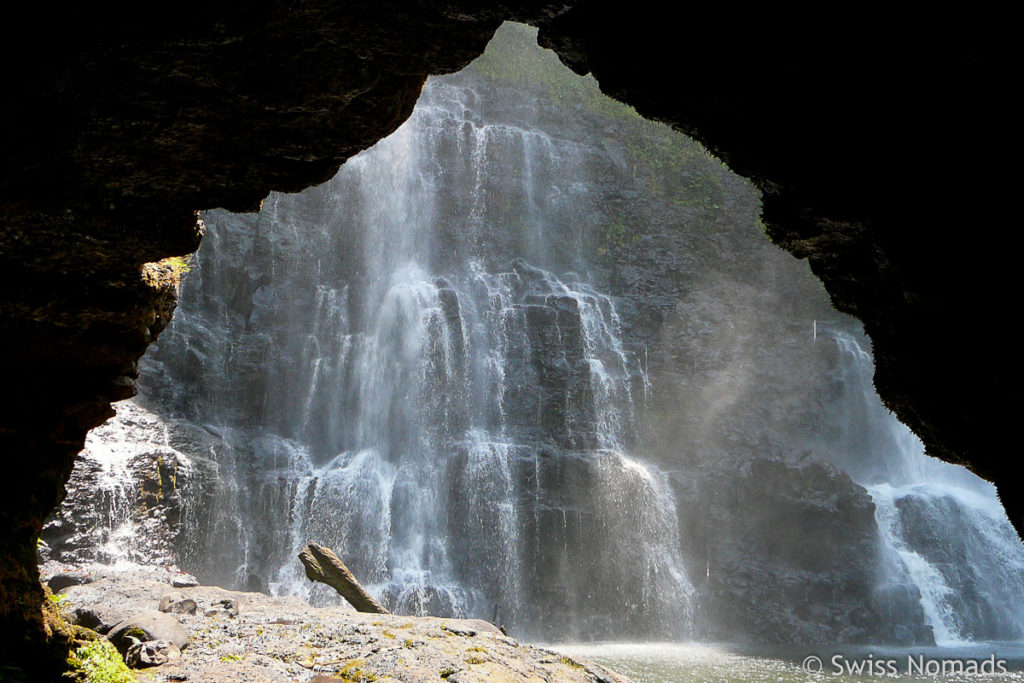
x=353 y=671
x=571 y=663
x=98 y=662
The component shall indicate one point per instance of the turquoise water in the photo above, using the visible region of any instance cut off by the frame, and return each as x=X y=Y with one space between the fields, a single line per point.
x=672 y=662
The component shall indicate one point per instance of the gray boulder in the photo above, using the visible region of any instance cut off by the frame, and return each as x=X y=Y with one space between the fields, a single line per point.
x=99 y=618
x=224 y=607
x=177 y=603
x=145 y=626
x=152 y=653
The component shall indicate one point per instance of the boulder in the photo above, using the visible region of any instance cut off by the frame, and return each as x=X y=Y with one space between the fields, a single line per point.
x=152 y=653
x=59 y=582
x=99 y=618
x=177 y=603
x=223 y=607
x=185 y=581
x=145 y=626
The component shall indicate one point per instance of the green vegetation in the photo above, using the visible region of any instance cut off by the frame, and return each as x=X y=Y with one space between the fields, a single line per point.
x=165 y=273
x=571 y=663
x=667 y=167
x=353 y=671
x=514 y=59
x=179 y=263
x=615 y=234
x=98 y=662
x=57 y=600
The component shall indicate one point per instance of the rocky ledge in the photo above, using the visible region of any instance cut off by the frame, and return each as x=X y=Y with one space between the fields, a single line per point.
x=234 y=636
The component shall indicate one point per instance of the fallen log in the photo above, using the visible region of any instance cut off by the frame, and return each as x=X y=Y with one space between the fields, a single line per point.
x=324 y=566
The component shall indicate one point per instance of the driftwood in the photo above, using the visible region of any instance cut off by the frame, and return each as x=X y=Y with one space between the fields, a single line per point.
x=324 y=566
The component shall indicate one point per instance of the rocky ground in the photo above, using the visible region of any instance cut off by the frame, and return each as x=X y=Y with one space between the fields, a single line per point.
x=286 y=639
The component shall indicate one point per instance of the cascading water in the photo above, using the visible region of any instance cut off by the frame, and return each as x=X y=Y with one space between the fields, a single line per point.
x=942 y=529
x=126 y=493
x=457 y=419
x=530 y=359
x=447 y=438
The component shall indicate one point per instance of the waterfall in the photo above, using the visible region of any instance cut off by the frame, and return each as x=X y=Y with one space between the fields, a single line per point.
x=125 y=496
x=531 y=359
x=941 y=529
x=460 y=393
x=432 y=381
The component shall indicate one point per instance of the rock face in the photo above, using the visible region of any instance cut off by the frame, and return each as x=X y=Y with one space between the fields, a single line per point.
x=809 y=116
x=801 y=565
x=125 y=500
x=107 y=158
x=124 y=126
x=575 y=390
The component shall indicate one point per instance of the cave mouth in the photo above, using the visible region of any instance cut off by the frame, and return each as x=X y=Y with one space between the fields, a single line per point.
x=590 y=418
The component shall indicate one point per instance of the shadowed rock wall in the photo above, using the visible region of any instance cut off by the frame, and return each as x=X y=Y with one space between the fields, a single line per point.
x=120 y=127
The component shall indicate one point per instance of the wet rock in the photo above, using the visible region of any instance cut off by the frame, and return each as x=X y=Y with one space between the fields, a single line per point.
x=123 y=502
x=902 y=636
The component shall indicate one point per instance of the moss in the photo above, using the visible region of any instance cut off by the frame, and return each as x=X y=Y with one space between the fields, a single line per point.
x=513 y=59
x=137 y=633
x=353 y=671
x=179 y=263
x=570 y=663
x=98 y=662
x=57 y=601
x=165 y=274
